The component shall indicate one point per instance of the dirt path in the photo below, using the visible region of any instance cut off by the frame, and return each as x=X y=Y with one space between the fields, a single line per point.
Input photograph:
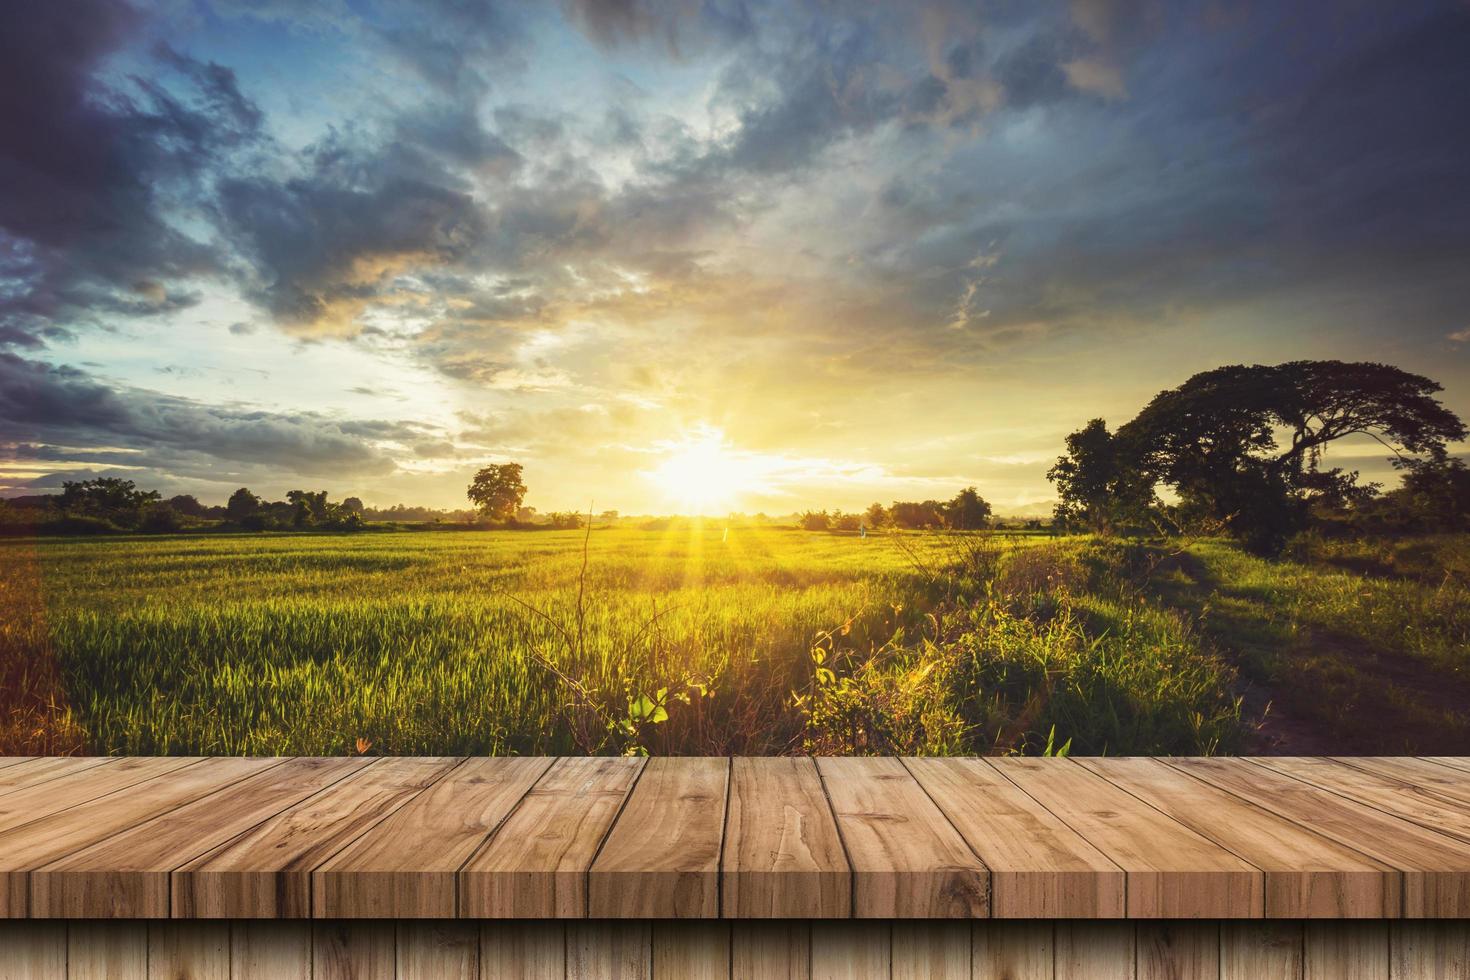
x=1314 y=691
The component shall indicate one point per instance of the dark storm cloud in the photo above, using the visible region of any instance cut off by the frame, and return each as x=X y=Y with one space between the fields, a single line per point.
x=88 y=171
x=41 y=404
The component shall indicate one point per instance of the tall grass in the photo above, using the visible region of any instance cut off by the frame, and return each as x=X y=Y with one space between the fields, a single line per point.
x=680 y=641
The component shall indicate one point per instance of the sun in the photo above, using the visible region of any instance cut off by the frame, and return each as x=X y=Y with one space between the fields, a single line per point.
x=702 y=473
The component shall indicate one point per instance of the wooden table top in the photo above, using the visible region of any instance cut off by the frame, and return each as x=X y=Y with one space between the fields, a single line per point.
x=734 y=838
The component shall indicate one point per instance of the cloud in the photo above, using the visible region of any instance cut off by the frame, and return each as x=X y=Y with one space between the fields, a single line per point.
x=1459 y=336
x=47 y=405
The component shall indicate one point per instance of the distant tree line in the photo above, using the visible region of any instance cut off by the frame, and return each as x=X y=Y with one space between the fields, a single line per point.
x=1242 y=448
x=967 y=511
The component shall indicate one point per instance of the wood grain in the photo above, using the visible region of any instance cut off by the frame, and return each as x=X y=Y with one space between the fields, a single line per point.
x=32 y=950
x=1436 y=868
x=33 y=771
x=523 y=951
x=662 y=859
x=40 y=842
x=127 y=875
x=1172 y=872
x=907 y=860
x=1014 y=950
x=770 y=949
x=442 y=950
x=1039 y=867
x=923 y=950
x=1306 y=875
x=1398 y=797
x=1261 y=951
x=851 y=950
x=278 y=950
x=1429 y=949
x=1092 y=950
x=608 y=951
x=353 y=950
x=1178 y=950
x=535 y=866
x=692 y=950
x=1346 y=951
x=37 y=801
x=783 y=857
x=265 y=872
x=193 y=950
x=406 y=866
x=106 y=951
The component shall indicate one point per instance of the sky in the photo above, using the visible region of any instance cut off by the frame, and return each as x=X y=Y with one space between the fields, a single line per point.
x=694 y=255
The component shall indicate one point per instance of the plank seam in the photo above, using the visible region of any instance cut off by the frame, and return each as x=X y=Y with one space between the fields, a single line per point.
x=121 y=789
x=1207 y=836
x=490 y=834
x=842 y=840
x=99 y=762
x=587 y=875
x=254 y=776
x=1403 y=872
x=1370 y=804
x=1127 y=875
x=724 y=837
x=343 y=845
x=989 y=874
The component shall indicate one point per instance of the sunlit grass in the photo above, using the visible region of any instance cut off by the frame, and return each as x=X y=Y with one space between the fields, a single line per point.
x=478 y=643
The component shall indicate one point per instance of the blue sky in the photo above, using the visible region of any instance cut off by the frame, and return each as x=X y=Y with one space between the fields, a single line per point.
x=869 y=251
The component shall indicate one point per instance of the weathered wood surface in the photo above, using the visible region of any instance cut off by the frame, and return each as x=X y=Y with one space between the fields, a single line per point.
x=777 y=838
x=434 y=949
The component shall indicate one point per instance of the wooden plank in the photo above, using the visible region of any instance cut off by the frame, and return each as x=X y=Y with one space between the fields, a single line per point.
x=1172 y=872
x=348 y=950
x=908 y=861
x=279 y=950
x=1039 y=867
x=536 y=864
x=608 y=951
x=265 y=873
x=106 y=951
x=925 y=950
x=523 y=951
x=691 y=950
x=1095 y=950
x=1429 y=949
x=127 y=875
x=771 y=950
x=1346 y=951
x=851 y=950
x=1261 y=951
x=40 y=842
x=1178 y=951
x=1394 y=796
x=1436 y=868
x=442 y=950
x=1307 y=875
x=1424 y=775
x=1013 y=950
x=662 y=858
x=32 y=950
x=783 y=856
x=38 y=801
x=196 y=950
x=34 y=771
x=406 y=866
x=7 y=761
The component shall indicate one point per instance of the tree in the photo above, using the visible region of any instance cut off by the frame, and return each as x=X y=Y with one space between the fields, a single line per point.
x=186 y=504
x=875 y=516
x=242 y=504
x=968 y=511
x=1099 y=482
x=497 y=490
x=309 y=509
x=909 y=514
x=353 y=505
x=106 y=497
x=1435 y=495
x=816 y=520
x=1214 y=438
